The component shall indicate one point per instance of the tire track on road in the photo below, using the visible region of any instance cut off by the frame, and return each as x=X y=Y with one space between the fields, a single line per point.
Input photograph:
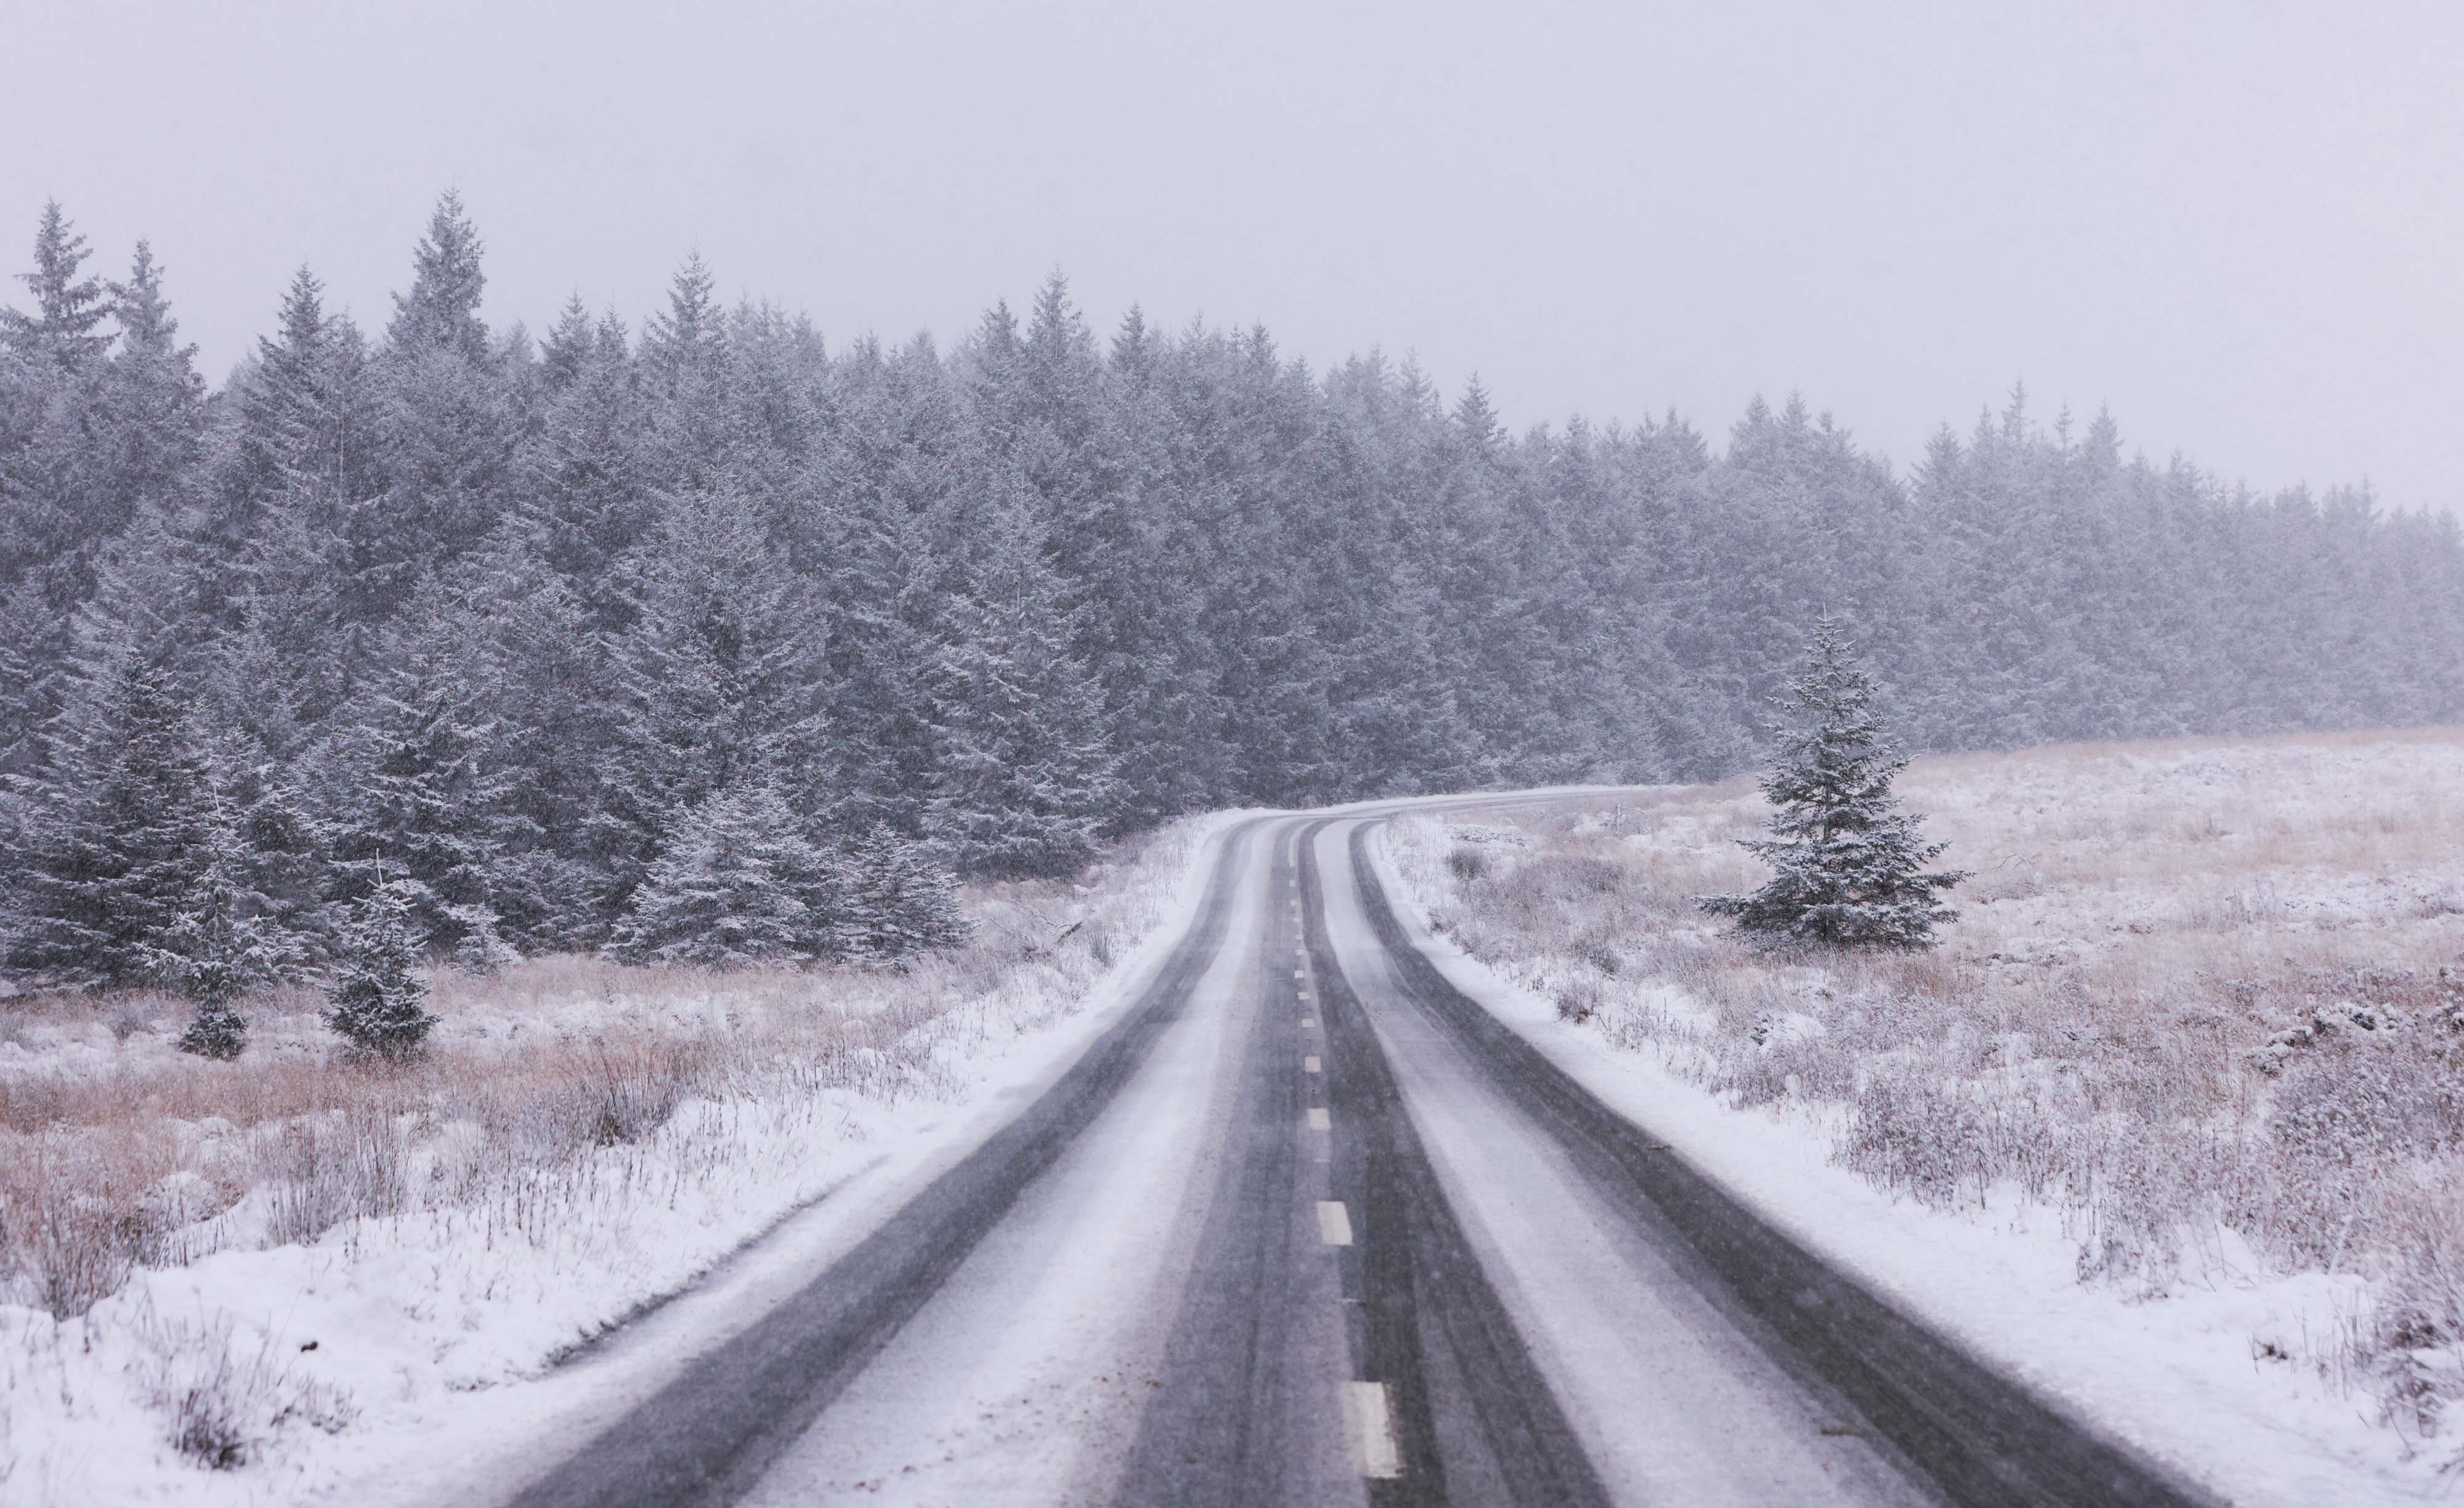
x=1986 y=1440
x=706 y=1438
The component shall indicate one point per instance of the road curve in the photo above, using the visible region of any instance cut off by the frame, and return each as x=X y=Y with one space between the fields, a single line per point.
x=1305 y=1225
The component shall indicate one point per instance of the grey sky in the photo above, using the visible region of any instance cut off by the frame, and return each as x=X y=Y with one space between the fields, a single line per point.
x=2241 y=225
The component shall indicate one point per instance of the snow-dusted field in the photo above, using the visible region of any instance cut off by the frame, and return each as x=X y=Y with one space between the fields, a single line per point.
x=297 y=1270
x=2172 y=1122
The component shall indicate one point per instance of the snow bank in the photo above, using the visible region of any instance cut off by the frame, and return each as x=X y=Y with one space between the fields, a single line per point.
x=390 y=1351
x=2255 y=1367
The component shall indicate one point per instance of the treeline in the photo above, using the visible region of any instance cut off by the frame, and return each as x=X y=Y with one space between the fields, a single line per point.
x=710 y=641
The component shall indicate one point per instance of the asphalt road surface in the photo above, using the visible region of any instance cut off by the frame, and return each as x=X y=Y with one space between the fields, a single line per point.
x=1308 y=1226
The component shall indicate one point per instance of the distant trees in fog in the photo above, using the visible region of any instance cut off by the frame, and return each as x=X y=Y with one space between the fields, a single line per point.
x=572 y=638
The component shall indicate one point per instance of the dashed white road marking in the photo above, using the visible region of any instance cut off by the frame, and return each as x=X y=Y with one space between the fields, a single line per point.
x=1309 y=1064
x=1318 y=1120
x=1309 y=1021
x=1334 y=1223
x=1372 y=1429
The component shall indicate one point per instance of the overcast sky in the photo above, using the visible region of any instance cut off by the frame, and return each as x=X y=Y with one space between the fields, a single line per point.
x=2240 y=224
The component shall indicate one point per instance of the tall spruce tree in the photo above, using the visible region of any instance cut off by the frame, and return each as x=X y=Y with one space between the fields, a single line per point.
x=68 y=305
x=1028 y=780
x=737 y=884
x=377 y=1001
x=115 y=851
x=721 y=681
x=900 y=902
x=1851 y=868
x=215 y=952
x=417 y=798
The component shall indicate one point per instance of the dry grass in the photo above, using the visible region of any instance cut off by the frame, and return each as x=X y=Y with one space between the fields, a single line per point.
x=2195 y=986
x=118 y=1151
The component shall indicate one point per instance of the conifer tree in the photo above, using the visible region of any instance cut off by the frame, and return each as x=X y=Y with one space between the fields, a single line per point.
x=441 y=312
x=423 y=803
x=737 y=885
x=721 y=679
x=153 y=401
x=1028 y=780
x=116 y=850
x=215 y=952
x=1850 y=863
x=295 y=440
x=378 y=999
x=900 y=902
x=686 y=370
x=68 y=307
x=582 y=471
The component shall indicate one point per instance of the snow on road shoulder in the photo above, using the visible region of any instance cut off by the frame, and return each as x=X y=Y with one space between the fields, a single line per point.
x=412 y=1358
x=2186 y=1378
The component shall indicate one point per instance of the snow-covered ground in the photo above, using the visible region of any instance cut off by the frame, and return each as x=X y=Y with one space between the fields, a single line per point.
x=2101 y=1134
x=352 y=1285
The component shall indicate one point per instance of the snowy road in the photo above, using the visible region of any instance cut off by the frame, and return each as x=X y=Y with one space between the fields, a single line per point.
x=1308 y=1226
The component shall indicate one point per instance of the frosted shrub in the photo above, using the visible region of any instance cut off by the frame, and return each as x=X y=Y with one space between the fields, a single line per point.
x=345 y=1167
x=2419 y=1334
x=628 y=1093
x=79 y=1251
x=222 y=1398
x=72 y=1220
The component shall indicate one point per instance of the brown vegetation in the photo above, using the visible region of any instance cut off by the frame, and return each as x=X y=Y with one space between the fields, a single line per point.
x=117 y=1151
x=2195 y=986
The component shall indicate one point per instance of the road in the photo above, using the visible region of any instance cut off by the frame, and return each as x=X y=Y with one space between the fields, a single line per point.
x=1308 y=1226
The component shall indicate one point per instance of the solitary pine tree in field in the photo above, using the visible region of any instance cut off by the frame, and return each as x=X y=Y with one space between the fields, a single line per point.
x=379 y=999
x=216 y=952
x=1851 y=866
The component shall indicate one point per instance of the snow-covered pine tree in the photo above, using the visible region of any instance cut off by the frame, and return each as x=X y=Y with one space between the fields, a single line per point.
x=900 y=902
x=68 y=305
x=115 y=848
x=721 y=679
x=216 y=952
x=1028 y=774
x=543 y=673
x=687 y=375
x=421 y=802
x=737 y=885
x=379 y=1000
x=1851 y=867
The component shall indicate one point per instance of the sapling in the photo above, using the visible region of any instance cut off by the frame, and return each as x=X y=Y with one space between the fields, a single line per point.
x=1850 y=865
x=379 y=999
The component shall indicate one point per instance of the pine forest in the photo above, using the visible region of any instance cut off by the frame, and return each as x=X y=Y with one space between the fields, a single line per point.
x=707 y=639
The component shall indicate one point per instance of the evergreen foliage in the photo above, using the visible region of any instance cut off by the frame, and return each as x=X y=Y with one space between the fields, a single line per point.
x=1028 y=775
x=114 y=855
x=900 y=903
x=379 y=1003
x=215 y=952
x=1850 y=865
x=422 y=799
x=737 y=885
x=68 y=306
x=510 y=622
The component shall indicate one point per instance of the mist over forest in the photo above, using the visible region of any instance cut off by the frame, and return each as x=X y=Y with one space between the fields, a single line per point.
x=563 y=631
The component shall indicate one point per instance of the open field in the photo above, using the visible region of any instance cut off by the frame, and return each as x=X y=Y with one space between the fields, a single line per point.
x=581 y=1141
x=2204 y=1004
